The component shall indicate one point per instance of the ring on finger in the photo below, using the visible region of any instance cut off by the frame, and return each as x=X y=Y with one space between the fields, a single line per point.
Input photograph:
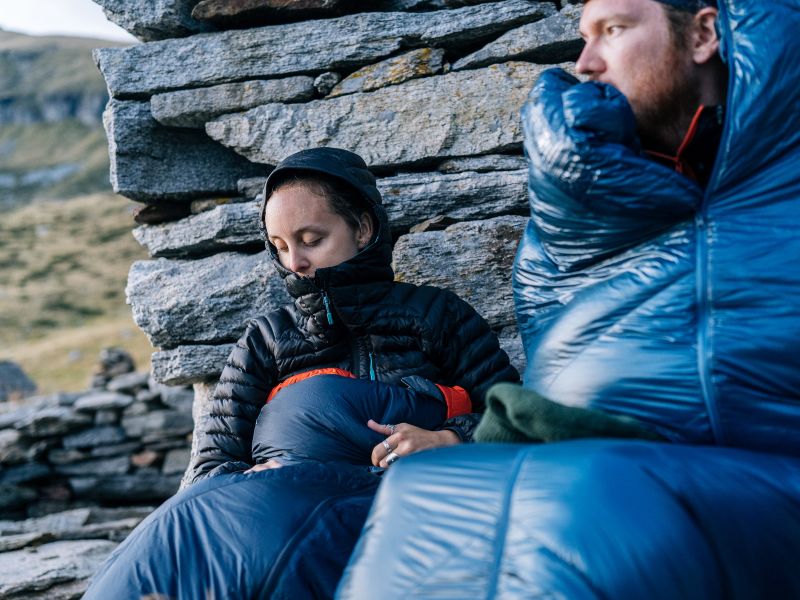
x=392 y=458
x=387 y=445
x=391 y=429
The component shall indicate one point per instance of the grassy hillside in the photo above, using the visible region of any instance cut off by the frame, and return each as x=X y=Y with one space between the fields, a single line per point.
x=63 y=268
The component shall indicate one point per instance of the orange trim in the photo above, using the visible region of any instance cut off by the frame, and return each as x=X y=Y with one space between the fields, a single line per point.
x=306 y=375
x=457 y=400
x=681 y=166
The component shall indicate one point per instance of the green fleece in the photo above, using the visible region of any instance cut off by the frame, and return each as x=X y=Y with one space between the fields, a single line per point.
x=514 y=414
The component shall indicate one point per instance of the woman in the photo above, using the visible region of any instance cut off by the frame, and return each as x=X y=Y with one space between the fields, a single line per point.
x=355 y=345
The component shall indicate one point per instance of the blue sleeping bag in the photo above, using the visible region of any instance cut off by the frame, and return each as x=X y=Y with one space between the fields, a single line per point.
x=279 y=533
x=590 y=519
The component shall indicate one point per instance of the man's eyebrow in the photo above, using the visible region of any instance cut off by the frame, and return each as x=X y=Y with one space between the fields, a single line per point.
x=600 y=24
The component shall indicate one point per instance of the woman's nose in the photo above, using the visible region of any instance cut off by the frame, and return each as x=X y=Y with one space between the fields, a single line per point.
x=590 y=62
x=298 y=262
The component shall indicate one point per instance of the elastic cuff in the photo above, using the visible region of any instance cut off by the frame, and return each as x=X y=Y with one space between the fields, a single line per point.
x=457 y=400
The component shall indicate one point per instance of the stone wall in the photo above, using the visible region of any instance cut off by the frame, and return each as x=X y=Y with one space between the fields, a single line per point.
x=427 y=91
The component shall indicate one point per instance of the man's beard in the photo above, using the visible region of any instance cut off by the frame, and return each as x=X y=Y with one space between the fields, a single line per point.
x=670 y=97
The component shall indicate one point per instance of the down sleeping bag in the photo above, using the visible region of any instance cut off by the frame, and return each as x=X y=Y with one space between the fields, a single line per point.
x=640 y=294
x=278 y=533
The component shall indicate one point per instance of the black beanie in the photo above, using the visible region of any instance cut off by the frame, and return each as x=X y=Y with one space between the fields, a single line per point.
x=689 y=5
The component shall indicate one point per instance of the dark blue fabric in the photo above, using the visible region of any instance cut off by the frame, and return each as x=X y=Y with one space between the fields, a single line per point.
x=597 y=519
x=639 y=293
x=325 y=418
x=281 y=533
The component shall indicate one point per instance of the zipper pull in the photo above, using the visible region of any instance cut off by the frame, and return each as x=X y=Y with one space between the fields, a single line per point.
x=371 y=367
x=327 y=304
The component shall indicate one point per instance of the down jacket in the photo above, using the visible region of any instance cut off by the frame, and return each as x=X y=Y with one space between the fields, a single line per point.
x=354 y=317
x=641 y=294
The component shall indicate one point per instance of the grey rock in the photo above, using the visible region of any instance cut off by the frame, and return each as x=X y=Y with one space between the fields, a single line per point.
x=115 y=531
x=129 y=383
x=23 y=540
x=244 y=13
x=511 y=343
x=149 y=395
x=13 y=447
x=207 y=300
x=26 y=572
x=299 y=48
x=96 y=436
x=106 y=417
x=225 y=227
x=177 y=398
x=60 y=456
x=251 y=187
x=154 y=443
x=424 y=4
x=118 y=465
x=325 y=82
x=115 y=449
x=24 y=473
x=483 y=164
x=419 y=121
x=53 y=523
x=153 y=162
x=15 y=416
x=14 y=497
x=472 y=259
x=14 y=383
x=52 y=421
x=176 y=461
x=149 y=20
x=412 y=198
x=103 y=400
x=206 y=204
x=190 y=364
x=161 y=423
x=142 y=485
x=551 y=40
x=392 y=71
x=193 y=108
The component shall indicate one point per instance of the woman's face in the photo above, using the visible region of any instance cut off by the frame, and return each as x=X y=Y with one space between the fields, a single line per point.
x=308 y=234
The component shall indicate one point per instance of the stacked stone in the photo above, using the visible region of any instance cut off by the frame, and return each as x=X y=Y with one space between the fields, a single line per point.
x=124 y=443
x=427 y=91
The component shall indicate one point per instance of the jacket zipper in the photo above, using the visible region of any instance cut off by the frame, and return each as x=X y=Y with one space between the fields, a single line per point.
x=326 y=301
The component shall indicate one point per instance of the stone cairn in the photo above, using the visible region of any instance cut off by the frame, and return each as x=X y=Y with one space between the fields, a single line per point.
x=427 y=91
x=85 y=468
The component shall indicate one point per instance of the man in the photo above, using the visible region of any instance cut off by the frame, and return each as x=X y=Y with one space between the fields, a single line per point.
x=657 y=281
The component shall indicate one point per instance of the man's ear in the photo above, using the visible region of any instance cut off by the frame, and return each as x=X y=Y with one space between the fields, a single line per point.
x=705 y=43
x=366 y=229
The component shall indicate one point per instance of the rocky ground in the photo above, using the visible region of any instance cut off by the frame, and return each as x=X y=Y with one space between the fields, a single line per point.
x=79 y=471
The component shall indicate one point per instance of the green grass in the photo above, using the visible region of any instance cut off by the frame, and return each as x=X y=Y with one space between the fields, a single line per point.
x=62 y=286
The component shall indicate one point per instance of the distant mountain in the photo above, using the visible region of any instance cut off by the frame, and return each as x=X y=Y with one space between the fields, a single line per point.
x=52 y=144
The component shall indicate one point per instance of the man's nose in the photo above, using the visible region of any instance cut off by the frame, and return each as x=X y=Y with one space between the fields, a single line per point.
x=590 y=62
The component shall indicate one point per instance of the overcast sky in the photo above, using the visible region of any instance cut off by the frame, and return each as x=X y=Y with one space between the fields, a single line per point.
x=81 y=18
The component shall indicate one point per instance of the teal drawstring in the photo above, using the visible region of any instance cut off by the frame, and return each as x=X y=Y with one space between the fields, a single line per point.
x=371 y=367
x=327 y=307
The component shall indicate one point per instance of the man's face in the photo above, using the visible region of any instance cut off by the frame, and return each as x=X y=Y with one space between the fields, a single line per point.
x=629 y=45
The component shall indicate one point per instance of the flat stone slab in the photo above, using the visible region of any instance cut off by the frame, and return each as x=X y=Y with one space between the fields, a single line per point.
x=151 y=162
x=103 y=400
x=194 y=108
x=190 y=364
x=227 y=226
x=34 y=570
x=209 y=300
x=483 y=164
x=143 y=485
x=301 y=48
x=392 y=71
x=232 y=13
x=472 y=259
x=551 y=40
x=417 y=122
x=149 y=20
x=96 y=436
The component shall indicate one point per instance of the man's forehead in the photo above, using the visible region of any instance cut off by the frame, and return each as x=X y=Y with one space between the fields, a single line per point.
x=596 y=11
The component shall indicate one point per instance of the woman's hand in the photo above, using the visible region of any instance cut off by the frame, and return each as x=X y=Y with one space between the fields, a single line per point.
x=404 y=439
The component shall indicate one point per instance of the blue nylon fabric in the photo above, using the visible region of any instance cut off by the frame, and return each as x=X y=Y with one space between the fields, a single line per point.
x=282 y=533
x=593 y=519
x=325 y=418
x=639 y=294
